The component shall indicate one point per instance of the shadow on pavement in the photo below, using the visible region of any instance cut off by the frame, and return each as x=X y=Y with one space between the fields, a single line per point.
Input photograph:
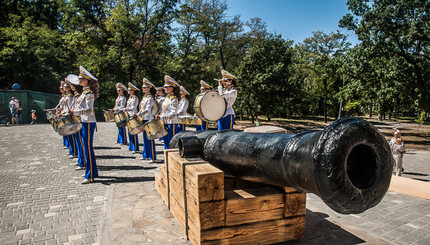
x=113 y=157
x=106 y=148
x=419 y=174
x=321 y=231
x=107 y=180
x=124 y=168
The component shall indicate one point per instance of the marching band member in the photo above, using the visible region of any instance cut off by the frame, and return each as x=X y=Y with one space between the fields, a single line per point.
x=85 y=109
x=160 y=96
x=183 y=106
x=120 y=104
x=131 y=109
x=77 y=89
x=145 y=112
x=227 y=89
x=68 y=102
x=204 y=87
x=58 y=109
x=169 y=108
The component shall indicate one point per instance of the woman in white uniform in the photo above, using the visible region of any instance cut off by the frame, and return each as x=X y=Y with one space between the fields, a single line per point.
x=227 y=89
x=131 y=109
x=146 y=107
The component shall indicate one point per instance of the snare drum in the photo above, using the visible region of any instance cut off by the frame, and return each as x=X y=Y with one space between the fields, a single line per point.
x=120 y=119
x=135 y=125
x=66 y=125
x=190 y=120
x=109 y=116
x=210 y=106
x=155 y=129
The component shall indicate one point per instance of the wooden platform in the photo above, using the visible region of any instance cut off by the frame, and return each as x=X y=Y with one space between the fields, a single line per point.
x=213 y=208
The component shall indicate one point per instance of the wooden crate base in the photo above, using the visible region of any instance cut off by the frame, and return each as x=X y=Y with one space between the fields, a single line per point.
x=213 y=208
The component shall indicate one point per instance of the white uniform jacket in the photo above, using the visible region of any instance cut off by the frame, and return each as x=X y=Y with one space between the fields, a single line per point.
x=168 y=110
x=85 y=106
x=67 y=103
x=182 y=107
x=120 y=103
x=160 y=100
x=230 y=95
x=131 y=107
x=60 y=104
x=145 y=107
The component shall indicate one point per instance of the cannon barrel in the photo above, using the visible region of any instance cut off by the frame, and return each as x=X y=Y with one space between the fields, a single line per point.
x=348 y=164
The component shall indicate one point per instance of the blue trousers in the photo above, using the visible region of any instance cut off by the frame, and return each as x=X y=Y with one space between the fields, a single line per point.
x=204 y=126
x=122 y=138
x=65 y=141
x=81 y=157
x=172 y=129
x=134 y=142
x=73 y=151
x=226 y=122
x=181 y=127
x=90 y=158
x=148 y=148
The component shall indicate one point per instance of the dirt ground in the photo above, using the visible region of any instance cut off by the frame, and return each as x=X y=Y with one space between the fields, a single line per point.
x=415 y=136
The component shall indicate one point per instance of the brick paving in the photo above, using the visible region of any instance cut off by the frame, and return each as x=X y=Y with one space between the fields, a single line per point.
x=43 y=202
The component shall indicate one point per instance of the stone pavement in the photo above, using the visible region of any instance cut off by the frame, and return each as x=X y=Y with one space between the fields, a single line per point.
x=43 y=202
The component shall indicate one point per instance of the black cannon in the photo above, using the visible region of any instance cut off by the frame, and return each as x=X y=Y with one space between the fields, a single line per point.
x=348 y=164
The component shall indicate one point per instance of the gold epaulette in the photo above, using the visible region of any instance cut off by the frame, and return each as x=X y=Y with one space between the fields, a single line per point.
x=88 y=91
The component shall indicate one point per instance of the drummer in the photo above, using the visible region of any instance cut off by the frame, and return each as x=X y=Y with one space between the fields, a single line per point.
x=58 y=109
x=68 y=102
x=227 y=89
x=204 y=87
x=145 y=112
x=85 y=109
x=183 y=106
x=160 y=96
x=120 y=104
x=131 y=109
x=77 y=89
x=169 y=108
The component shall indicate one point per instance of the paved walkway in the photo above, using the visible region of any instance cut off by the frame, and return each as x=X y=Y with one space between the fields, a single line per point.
x=43 y=202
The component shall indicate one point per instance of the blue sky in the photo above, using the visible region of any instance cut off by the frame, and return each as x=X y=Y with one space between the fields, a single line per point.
x=294 y=19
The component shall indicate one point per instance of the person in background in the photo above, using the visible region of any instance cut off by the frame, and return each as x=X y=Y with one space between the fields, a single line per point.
x=131 y=109
x=204 y=87
x=145 y=112
x=183 y=106
x=33 y=117
x=13 y=110
x=85 y=109
x=169 y=108
x=120 y=104
x=227 y=89
x=18 y=108
x=397 y=149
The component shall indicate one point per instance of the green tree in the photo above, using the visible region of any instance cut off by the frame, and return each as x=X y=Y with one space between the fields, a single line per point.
x=265 y=73
x=320 y=57
x=396 y=29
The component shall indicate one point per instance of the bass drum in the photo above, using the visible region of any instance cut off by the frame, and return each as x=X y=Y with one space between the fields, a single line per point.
x=210 y=106
x=155 y=129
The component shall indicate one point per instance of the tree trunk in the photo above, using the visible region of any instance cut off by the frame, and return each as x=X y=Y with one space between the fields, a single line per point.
x=325 y=100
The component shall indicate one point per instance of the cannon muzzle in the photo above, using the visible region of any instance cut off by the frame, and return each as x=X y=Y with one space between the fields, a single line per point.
x=348 y=164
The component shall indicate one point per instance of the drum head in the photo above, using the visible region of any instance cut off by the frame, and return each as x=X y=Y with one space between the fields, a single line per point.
x=158 y=135
x=213 y=106
x=69 y=129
